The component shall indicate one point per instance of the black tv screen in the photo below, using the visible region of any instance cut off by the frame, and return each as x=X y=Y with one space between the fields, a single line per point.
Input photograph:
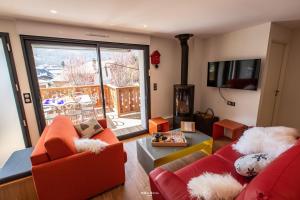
x=236 y=74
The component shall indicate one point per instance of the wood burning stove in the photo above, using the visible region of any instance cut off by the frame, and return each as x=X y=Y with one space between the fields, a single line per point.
x=183 y=104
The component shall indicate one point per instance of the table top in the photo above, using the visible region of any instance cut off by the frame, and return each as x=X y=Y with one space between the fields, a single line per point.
x=229 y=124
x=158 y=120
x=160 y=152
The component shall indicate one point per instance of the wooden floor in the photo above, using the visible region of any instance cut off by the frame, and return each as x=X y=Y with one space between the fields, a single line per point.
x=125 y=131
x=21 y=189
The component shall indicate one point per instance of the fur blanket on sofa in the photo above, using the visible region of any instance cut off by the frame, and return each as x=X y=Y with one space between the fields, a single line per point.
x=270 y=140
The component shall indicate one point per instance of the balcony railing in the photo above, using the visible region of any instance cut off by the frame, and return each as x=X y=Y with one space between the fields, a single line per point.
x=122 y=100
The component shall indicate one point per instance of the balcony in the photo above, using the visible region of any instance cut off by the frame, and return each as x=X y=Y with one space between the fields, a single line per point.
x=82 y=102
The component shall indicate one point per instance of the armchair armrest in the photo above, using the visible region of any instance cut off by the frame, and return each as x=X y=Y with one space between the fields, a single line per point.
x=168 y=185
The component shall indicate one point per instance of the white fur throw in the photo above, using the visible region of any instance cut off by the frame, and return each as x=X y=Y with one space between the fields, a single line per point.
x=270 y=140
x=93 y=145
x=211 y=186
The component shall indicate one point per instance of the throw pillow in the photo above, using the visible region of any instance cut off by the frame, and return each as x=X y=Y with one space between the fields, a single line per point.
x=270 y=140
x=92 y=145
x=250 y=165
x=89 y=128
x=211 y=186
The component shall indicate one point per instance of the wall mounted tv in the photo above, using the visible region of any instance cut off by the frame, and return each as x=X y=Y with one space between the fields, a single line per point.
x=236 y=74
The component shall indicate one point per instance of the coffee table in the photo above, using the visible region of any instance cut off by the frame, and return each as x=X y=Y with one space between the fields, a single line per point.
x=151 y=157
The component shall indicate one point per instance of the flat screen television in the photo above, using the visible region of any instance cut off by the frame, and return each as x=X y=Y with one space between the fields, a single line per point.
x=236 y=74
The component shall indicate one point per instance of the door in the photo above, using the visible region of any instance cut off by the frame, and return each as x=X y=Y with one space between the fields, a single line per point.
x=12 y=131
x=124 y=82
x=272 y=93
x=67 y=79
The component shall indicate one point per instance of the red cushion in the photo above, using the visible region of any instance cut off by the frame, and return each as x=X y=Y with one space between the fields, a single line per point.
x=228 y=154
x=59 y=141
x=279 y=181
x=213 y=164
x=39 y=154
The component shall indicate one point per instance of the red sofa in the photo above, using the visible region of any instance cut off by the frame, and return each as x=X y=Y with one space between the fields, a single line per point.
x=279 y=181
x=59 y=172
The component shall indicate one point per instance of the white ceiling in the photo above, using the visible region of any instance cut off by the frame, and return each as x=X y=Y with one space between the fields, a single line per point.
x=158 y=17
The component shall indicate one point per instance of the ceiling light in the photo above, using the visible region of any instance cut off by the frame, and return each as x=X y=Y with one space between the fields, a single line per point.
x=53 y=11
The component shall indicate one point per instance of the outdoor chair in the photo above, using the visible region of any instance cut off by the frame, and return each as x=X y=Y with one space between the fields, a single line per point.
x=50 y=112
x=72 y=110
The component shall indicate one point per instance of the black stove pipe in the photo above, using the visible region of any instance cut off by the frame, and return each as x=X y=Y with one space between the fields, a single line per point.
x=184 y=56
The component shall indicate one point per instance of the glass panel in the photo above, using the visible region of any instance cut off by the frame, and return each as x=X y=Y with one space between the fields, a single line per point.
x=123 y=79
x=68 y=78
x=11 y=137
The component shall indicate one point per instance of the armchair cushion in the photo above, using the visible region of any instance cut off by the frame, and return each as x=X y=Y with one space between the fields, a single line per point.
x=59 y=141
x=88 y=128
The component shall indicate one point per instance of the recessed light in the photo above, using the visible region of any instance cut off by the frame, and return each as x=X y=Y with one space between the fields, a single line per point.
x=53 y=11
x=145 y=26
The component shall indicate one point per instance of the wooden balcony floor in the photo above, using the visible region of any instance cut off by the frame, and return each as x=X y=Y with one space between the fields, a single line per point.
x=124 y=124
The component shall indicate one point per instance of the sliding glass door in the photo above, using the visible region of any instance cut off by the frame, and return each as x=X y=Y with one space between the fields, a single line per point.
x=69 y=79
x=11 y=122
x=124 y=85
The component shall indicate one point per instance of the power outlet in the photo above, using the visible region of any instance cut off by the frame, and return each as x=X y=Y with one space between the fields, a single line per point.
x=231 y=103
x=154 y=86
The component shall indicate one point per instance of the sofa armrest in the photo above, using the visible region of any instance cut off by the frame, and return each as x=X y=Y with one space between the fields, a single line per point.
x=168 y=185
x=82 y=174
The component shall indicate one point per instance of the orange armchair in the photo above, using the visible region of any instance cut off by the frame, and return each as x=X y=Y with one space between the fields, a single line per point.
x=67 y=174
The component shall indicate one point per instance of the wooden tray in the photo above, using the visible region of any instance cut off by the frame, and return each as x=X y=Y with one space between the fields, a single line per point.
x=165 y=143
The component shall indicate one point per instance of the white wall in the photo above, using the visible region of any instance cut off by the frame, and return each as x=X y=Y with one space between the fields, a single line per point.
x=165 y=76
x=246 y=43
x=82 y=33
x=9 y=26
x=196 y=57
x=289 y=107
x=11 y=137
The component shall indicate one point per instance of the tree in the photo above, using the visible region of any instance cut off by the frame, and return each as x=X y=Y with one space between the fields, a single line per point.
x=78 y=72
x=124 y=69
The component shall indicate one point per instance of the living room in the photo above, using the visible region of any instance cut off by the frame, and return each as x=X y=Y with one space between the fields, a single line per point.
x=146 y=75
